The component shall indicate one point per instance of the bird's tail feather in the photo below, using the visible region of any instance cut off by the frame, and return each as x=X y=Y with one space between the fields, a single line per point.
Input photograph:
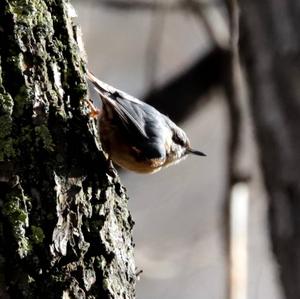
x=100 y=85
x=104 y=88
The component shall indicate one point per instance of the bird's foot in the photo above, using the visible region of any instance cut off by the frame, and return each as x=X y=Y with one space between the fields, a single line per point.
x=94 y=112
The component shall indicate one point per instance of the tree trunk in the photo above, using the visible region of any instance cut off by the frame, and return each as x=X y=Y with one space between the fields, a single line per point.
x=65 y=230
x=271 y=48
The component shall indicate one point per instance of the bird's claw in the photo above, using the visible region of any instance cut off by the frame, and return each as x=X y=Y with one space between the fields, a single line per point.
x=94 y=112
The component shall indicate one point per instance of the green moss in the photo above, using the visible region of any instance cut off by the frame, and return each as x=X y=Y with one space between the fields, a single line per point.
x=6 y=142
x=80 y=89
x=59 y=48
x=43 y=135
x=24 y=247
x=37 y=235
x=7 y=151
x=14 y=212
x=6 y=107
x=15 y=209
x=32 y=12
x=6 y=101
x=5 y=126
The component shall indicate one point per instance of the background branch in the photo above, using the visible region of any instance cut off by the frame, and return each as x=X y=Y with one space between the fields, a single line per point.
x=154 y=45
x=235 y=202
x=178 y=97
x=133 y=5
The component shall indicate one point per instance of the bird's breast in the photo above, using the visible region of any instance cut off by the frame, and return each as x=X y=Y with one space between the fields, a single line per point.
x=124 y=154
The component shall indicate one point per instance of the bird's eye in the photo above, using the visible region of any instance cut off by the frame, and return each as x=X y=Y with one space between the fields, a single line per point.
x=178 y=140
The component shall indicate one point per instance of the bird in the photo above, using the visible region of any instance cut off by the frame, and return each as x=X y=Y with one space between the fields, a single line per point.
x=135 y=135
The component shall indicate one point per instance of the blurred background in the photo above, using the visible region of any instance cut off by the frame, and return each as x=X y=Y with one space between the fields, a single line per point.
x=192 y=239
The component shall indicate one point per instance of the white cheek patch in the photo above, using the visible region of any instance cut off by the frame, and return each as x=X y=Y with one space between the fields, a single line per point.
x=179 y=154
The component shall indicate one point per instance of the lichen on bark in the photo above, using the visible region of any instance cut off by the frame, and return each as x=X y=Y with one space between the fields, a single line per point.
x=65 y=230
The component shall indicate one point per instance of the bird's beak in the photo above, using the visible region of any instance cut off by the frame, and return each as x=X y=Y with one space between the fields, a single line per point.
x=194 y=152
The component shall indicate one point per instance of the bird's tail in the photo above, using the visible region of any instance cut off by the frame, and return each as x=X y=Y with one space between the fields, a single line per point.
x=105 y=89
x=99 y=85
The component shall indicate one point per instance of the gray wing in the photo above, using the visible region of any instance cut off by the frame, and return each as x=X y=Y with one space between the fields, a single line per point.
x=143 y=124
x=133 y=115
x=120 y=102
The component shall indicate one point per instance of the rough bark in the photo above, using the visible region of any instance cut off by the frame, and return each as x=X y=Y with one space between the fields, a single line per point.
x=65 y=230
x=271 y=48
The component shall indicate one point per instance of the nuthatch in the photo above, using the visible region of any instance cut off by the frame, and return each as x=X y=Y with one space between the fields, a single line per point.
x=134 y=134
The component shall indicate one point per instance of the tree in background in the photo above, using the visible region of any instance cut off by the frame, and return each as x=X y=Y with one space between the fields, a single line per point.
x=65 y=231
x=270 y=46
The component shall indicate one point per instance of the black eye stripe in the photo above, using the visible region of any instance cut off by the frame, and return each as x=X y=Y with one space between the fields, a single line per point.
x=178 y=140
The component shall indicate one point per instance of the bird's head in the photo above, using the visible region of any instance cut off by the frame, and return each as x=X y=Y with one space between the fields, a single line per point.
x=180 y=147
